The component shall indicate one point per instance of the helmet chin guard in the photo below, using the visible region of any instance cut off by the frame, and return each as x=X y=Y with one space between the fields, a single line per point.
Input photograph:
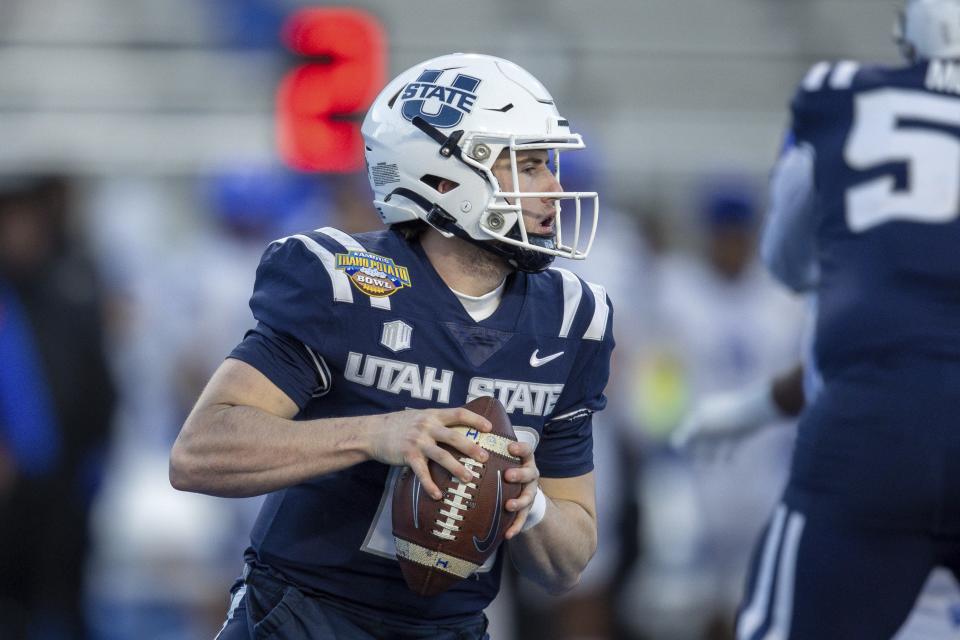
x=449 y=119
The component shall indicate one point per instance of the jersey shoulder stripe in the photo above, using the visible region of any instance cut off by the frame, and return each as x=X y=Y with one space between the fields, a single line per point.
x=837 y=76
x=843 y=74
x=601 y=310
x=572 y=292
x=342 y=291
x=350 y=244
x=576 y=305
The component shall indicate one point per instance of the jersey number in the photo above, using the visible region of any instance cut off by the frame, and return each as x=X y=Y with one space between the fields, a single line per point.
x=895 y=126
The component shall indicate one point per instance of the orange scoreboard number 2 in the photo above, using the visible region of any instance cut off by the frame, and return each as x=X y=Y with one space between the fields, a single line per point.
x=320 y=103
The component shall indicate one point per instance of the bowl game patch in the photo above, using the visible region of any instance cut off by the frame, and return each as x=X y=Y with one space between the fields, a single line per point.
x=372 y=274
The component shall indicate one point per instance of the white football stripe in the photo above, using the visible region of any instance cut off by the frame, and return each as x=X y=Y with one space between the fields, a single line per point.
x=489 y=441
x=434 y=559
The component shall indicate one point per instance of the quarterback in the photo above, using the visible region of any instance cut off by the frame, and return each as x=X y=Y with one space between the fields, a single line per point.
x=365 y=346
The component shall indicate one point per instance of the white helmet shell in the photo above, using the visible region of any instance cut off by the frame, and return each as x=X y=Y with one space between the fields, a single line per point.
x=450 y=118
x=930 y=29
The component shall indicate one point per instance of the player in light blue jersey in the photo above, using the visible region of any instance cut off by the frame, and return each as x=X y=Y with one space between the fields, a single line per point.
x=865 y=215
x=366 y=345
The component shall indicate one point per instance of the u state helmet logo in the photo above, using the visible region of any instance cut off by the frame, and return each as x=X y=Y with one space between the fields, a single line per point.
x=443 y=106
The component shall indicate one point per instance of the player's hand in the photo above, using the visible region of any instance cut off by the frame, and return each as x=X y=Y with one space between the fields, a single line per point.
x=526 y=474
x=412 y=438
x=724 y=419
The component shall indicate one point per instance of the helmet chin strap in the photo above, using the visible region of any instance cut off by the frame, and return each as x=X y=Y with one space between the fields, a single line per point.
x=522 y=259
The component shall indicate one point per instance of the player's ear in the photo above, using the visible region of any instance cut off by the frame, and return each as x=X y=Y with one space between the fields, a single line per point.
x=446 y=185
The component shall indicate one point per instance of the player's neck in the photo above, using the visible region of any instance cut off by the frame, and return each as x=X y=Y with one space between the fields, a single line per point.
x=462 y=266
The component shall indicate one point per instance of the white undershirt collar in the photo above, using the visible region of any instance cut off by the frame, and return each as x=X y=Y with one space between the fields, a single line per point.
x=482 y=307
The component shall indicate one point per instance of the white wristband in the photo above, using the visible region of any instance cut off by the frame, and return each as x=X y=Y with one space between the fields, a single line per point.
x=537 y=510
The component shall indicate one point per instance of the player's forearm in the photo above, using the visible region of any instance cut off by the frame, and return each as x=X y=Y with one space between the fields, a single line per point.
x=238 y=451
x=556 y=551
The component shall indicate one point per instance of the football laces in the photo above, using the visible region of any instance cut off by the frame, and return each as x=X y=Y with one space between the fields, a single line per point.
x=459 y=497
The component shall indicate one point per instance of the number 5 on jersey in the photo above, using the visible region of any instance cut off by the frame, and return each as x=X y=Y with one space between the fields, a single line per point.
x=901 y=126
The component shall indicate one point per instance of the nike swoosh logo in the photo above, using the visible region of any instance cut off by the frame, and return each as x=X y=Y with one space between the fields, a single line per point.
x=539 y=362
x=484 y=545
x=416 y=501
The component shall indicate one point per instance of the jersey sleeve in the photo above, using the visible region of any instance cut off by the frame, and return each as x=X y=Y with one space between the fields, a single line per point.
x=566 y=445
x=788 y=244
x=293 y=304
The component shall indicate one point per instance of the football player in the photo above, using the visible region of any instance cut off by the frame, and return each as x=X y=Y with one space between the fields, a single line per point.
x=865 y=202
x=720 y=421
x=366 y=345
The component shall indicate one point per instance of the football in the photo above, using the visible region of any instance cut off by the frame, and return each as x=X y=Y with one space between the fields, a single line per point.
x=440 y=542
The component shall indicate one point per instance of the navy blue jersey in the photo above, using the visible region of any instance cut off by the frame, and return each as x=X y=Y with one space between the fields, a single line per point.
x=362 y=325
x=884 y=149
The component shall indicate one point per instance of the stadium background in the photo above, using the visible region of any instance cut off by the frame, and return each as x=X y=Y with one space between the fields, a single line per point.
x=155 y=124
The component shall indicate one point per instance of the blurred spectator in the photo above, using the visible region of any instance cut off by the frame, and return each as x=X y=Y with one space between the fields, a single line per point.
x=56 y=401
x=721 y=324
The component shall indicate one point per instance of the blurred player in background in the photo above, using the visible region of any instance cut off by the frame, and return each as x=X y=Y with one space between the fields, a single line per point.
x=864 y=214
x=368 y=340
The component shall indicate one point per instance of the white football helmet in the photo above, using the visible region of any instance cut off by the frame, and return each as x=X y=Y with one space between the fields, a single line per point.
x=450 y=118
x=929 y=29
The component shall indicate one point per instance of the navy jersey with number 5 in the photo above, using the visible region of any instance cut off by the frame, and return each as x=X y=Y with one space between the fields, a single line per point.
x=865 y=215
x=865 y=209
x=359 y=325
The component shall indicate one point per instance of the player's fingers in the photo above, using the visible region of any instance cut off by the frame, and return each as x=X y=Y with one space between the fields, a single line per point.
x=442 y=457
x=463 y=417
x=522 y=475
x=461 y=443
x=524 y=500
x=517 y=525
x=420 y=468
x=522 y=450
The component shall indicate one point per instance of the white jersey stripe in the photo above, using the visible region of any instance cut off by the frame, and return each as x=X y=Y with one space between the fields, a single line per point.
x=572 y=291
x=346 y=240
x=601 y=309
x=786 y=574
x=339 y=280
x=813 y=81
x=234 y=603
x=352 y=245
x=753 y=616
x=843 y=74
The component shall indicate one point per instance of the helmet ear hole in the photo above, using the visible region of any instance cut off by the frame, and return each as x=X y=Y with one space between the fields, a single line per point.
x=438 y=184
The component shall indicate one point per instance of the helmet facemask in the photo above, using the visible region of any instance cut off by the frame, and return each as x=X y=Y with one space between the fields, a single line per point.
x=503 y=220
